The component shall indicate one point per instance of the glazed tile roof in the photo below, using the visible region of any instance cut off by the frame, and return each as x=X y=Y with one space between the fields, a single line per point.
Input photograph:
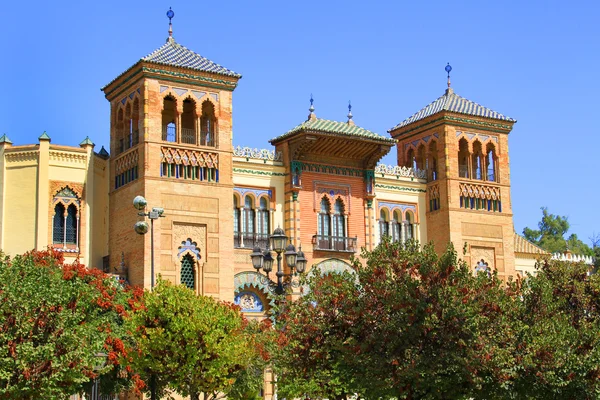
x=522 y=245
x=333 y=127
x=174 y=54
x=450 y=101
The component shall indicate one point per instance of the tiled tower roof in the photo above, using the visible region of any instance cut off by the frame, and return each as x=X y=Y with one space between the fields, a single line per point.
x=176 y=55
x=452 y=102
x=335 y=128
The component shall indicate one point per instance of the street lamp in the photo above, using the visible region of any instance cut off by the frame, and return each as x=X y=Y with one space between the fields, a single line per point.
x=262 y=259
x=141 y=227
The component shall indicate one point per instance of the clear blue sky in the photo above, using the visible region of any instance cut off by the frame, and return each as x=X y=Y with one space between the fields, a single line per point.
x=538 y=62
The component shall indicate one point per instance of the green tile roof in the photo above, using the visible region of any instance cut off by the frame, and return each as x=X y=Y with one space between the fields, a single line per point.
x=333 y=127
x=450 y=101
x=85 y=141
x=44 y=136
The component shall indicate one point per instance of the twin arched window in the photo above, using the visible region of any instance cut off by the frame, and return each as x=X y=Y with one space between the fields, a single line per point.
x=65 y=226
x=424 y=160
x=127 y=127
x=251 y=222
x=331 y=226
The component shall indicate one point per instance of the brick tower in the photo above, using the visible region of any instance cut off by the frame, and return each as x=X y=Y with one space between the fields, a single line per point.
x=463 y=146
x=170 y=141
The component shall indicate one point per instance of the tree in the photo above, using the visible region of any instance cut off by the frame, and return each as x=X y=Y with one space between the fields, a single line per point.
x=430 y=329
x=559 y=336
x=413 y=325
x=550 y=235
x=56 y=321
x=190 y=344
x=250 y=379
x=314 y=357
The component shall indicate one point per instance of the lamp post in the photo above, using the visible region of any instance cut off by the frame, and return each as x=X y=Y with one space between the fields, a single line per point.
x=262 y=259
x=141 y=227
x=95 y=390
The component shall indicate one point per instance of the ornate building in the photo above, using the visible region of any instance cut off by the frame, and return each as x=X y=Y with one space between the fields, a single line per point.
x=171 y=142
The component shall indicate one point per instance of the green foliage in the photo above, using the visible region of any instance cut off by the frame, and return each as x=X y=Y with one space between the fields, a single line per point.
x=56 y=320
x=191 y=344
x=558 y=352
x=249 y=380
x=550 y=235
x=428 y=325
x=313 y=358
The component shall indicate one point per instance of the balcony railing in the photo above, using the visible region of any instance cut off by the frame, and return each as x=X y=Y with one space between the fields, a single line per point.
x=334 y=243
x=188 y=136
x=249 y=240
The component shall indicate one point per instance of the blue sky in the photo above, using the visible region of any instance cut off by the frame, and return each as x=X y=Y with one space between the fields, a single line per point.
x=538 y=62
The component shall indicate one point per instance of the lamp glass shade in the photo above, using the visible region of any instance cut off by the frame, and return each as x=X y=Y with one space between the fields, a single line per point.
x=267 y=262
x=290 y=255
x=257 y=258
x=141 y=227
x=139 y=202
x=278 y=240
x=300 y=262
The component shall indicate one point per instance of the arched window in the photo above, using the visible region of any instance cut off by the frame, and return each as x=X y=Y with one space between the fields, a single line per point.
x=248 y=221
x=323 y=225
x=408 y=225
x=134 y=128
x=187 y=271
x=188 y=122
x=127 y=126
x=263 y=223
x=71 y=225
x=421 y=158
x=433 y=164
x=236 y=222
x=483 y=267
x=396 y=225
x=208 y=124
x=169 y=116
x=120 y=144
x=339 y=225
x=65 y=221
x=383 y=224
x=463 y=158
x=411 y=161
x=58 y=224
x=490 y=163
x=477 y=159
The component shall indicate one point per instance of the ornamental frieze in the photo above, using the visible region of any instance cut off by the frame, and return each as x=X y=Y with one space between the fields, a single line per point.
x=196 y=158
x=126 y=162
x=479 y=191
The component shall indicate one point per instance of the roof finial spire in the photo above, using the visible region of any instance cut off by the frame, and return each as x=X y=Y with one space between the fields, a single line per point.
x=311 y=108
x=350 y=122
x=448 y=69
x=170 y=15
